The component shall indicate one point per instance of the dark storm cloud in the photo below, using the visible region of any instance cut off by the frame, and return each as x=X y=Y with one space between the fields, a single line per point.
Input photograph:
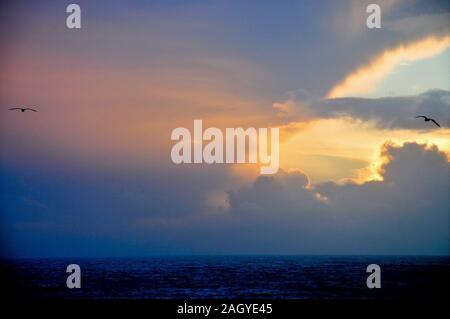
x=394 y=112
x=385 y=112
x=407 y=212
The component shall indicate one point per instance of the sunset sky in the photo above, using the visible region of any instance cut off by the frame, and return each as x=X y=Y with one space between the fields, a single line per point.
x=90 y=174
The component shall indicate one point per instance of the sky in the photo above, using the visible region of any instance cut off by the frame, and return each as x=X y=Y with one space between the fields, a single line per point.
x=90 y=174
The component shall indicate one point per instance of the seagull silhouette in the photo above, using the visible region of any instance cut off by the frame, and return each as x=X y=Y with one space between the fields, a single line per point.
x=22 y=109
x=427 y=119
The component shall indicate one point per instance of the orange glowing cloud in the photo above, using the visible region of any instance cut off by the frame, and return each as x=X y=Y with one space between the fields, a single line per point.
x=116 y=114
x=346 y=148
x=365 y=78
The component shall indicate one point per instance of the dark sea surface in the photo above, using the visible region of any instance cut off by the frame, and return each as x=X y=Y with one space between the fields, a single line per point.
x=240 y=277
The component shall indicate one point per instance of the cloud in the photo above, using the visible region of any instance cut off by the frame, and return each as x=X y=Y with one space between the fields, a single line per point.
x=385 y=112
x=423 y=24
x=365 y=78
x=407 y=212
x=394 y=112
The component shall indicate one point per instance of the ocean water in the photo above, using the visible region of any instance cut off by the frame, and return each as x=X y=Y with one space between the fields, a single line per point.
x=237 y=277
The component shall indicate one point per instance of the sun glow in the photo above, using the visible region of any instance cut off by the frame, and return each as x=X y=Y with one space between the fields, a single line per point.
x=344 y=148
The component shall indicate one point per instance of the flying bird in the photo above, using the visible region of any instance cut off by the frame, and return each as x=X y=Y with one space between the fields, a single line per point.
x=22 y=109
x=427 y=119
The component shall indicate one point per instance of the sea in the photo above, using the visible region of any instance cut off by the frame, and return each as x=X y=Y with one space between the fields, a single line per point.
x=231 y=277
